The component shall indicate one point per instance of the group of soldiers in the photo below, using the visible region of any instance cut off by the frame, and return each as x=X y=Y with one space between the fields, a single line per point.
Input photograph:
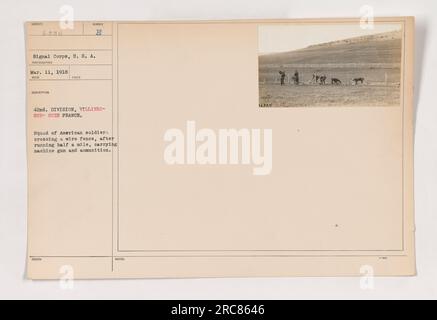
x=321 y=79
x=317 y=79
x=295 y=77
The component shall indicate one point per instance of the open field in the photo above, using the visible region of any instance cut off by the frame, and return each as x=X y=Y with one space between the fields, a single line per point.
x=273 y=95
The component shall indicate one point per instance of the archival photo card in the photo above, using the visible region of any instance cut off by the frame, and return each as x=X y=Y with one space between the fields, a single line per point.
x=192 y=149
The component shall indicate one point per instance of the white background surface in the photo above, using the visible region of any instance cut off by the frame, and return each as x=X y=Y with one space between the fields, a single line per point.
x=13 y=13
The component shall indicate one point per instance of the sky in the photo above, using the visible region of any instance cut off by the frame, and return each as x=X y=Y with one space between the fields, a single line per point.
x=281 y=38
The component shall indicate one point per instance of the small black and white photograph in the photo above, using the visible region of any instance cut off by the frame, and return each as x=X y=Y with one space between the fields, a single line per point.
x=330 y=65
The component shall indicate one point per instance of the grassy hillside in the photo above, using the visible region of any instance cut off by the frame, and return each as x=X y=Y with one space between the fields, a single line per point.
x=374 y=49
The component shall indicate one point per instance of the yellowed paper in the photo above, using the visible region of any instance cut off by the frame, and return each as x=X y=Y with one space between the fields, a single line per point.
x=220 y=149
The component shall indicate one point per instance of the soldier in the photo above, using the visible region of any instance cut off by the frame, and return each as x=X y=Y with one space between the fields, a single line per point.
x=323 y=79
x=335 y=81
x=282 y=73
x=296 y=77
